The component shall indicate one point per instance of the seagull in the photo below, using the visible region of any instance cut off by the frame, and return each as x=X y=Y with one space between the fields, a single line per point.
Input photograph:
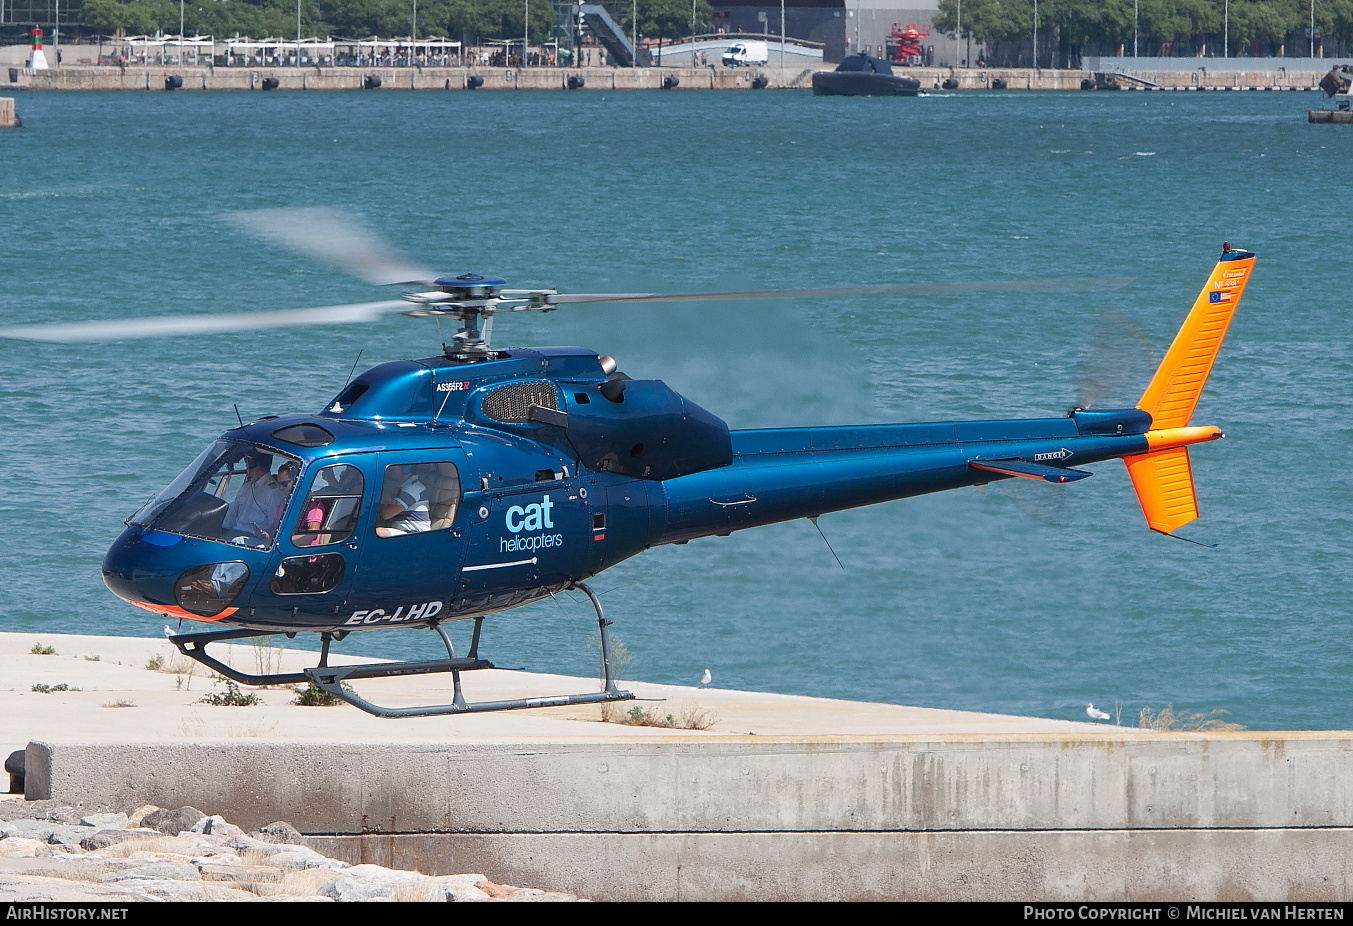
x=706 y=678
x=1095 y=713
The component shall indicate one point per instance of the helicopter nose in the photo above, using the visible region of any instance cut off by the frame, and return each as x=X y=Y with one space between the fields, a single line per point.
x=177 y=576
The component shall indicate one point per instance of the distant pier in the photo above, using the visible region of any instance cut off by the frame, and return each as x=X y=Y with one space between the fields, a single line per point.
x=794 y=77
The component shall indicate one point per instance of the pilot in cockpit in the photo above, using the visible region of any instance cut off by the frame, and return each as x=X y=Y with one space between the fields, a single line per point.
x=252 y=514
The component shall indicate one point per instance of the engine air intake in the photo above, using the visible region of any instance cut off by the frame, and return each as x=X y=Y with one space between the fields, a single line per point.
x=512 y=403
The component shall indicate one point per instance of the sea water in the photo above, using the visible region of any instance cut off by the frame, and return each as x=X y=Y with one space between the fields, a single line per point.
x=1028 y=598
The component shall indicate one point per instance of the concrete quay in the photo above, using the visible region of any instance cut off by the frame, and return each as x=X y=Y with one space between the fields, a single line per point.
x=78 y=77
x=797 y=77
x=784 y=798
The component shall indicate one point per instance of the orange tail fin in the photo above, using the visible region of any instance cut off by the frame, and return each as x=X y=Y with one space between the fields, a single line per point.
x=1162 y=476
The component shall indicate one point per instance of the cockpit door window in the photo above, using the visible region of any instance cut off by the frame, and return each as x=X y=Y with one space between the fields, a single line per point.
x=330 y=511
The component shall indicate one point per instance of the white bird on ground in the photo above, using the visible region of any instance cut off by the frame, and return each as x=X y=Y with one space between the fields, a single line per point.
x=705 y=678
x=1095 y=713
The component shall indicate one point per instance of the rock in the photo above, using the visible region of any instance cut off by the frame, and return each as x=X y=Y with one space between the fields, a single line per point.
x=212 y=871
x=375 y=883
x=139 y=814
x=105 y=838
x=403 y=886
x=216 y=826
x=24 y=847
x=106 y=821
x=173 y=822
x=38 y=889
x=183 y=891
x=496 y=891
x=52 y=833
x=302 y=857
x=281 y=833
x=159 y=871
x=347 y=890
x=41 y=860
x=461 y=888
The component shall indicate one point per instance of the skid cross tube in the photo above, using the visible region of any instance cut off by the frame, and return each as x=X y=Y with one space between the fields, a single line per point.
x=332 y=678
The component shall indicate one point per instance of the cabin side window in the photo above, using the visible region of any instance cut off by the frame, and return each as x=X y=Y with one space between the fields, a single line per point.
x=329 y=513
x=418 y=497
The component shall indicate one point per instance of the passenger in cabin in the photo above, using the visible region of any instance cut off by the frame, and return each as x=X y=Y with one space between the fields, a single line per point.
x=340 y=487
x=286 y=481
x=407 y=510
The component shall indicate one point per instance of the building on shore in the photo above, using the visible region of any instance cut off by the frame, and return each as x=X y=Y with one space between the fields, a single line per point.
x=842 y=26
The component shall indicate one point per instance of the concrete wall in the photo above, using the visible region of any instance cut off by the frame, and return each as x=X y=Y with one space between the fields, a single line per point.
x=153 y=78
x=1092 y=816
x=1117 y=865
x=789 y=77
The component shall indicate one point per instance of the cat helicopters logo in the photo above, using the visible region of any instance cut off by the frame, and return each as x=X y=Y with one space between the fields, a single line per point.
x=529 y=520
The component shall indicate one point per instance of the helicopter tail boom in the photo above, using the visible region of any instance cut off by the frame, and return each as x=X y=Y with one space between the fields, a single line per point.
x=1162 y=477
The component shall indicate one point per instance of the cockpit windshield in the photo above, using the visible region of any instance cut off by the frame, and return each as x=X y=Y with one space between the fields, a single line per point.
x=235 y=492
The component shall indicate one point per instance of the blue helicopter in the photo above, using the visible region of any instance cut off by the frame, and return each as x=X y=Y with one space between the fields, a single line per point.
x=461 y=485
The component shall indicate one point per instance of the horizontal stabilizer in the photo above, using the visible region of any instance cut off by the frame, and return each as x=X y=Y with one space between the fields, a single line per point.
x=1029 y=470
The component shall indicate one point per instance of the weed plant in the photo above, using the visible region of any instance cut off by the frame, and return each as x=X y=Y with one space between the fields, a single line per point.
x=231 y=697
x=1167 y=718
x=314 y=696
x=688 y=718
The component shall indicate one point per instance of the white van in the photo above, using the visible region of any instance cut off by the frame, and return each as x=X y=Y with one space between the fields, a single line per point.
x=746 y=53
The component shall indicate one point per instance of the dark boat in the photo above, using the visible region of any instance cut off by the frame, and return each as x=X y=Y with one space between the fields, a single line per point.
x=863 y=75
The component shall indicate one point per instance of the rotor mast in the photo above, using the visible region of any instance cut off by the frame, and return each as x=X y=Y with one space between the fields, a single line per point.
x=474 y=299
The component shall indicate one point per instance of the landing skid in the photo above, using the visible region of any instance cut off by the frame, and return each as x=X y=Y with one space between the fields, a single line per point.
x=332 y=679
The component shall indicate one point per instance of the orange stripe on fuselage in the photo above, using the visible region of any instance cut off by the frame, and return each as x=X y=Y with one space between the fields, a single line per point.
x=169 y=610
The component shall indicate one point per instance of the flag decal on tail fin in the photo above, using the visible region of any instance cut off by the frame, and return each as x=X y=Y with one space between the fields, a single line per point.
x=1162 y=477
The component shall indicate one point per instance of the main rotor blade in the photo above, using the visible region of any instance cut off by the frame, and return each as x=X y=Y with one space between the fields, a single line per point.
x=119 y=329
x=887 y=289
x=337 y=239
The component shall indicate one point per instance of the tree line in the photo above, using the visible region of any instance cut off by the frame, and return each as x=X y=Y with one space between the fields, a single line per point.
x=468 y=20
x=1069 y=28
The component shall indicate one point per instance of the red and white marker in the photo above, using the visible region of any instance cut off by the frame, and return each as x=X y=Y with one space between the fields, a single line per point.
x=37 y=61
